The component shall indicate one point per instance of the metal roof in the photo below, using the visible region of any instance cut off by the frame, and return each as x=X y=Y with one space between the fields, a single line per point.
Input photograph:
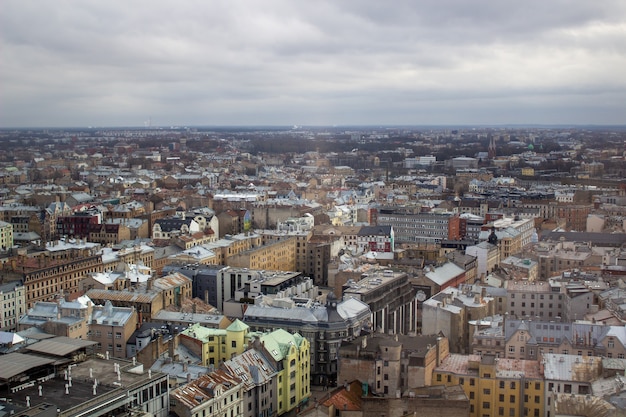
x=14 y=364
x=60 y=346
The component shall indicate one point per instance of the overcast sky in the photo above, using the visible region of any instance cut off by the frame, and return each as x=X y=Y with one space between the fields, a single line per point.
x=122 y=63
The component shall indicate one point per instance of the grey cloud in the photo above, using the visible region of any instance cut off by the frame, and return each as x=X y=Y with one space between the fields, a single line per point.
x=282 y=62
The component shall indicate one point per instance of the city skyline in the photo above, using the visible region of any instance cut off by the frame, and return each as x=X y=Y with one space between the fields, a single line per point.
x=282 y=63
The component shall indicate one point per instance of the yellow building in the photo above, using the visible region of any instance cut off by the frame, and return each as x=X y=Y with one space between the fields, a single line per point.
x=215 y=346
x=495 y=386
x=288 y=353
x=291 y=356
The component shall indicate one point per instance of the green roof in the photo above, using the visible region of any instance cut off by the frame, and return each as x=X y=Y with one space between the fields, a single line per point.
x=277 y=343
x=238 y=326
x=202 y=333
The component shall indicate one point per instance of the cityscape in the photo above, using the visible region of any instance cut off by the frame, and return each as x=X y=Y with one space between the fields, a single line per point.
x=312 y=209
x=313 y=271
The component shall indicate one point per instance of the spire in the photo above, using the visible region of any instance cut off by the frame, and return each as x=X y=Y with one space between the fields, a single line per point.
x=492 y=148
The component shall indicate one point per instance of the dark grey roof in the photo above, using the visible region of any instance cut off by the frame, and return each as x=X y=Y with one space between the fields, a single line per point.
x=169 y=225
x=596 y=239
x=14 y=364
x=60 y=346
x=375 y=231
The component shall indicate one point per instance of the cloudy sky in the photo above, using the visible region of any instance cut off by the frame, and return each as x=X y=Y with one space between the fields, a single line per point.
x=271 y=62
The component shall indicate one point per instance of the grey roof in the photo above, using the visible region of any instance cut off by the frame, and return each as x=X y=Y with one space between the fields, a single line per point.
x=60 y=346
x=16 y=363
x=545 y=332
x=169 y=225
x=596 y=239
x=375 y=231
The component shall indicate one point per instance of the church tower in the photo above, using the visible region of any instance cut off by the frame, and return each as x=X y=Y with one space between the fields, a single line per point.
x=492 y=148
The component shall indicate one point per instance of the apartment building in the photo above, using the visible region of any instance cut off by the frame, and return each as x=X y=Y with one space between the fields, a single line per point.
x=540 y=299
x=6 y=235
x=391 y=299
x=111 y=327
x=276 y=256
x=217 y=393
x=391 y=363
x=12 y=305
x=495 y=386
x=325 y=326
x=411 y=225
x=57 y=270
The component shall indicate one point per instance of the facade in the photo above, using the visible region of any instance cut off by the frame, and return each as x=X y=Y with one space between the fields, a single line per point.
x=451 y=311
x=58 y=270
x=388 y=364
x=487 y=257
x=111 y=327
x=60 y=317
x=270 y=282
x=133 y=391
x=280 y=290
x=165 y=229
x=391 y=299
x=569 y=374
x=217 y=393
x=540 y=299
x=377 y=239
x=215 y=346
x=260 y=380
x=277 y=256
x=325 y=327
x=290 y=355
x=533 y=340
x=410 y=225
x=6 y=235
x=12 y=305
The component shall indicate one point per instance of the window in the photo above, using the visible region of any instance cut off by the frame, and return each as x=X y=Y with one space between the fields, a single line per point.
x=500 y=411
x=512 y=386
x=501 y=385
x=512 y=399
x=472 y=381
x=486 y=405
x=438 y=377
x=486 y=391
x=501 y=398
x=471 y=395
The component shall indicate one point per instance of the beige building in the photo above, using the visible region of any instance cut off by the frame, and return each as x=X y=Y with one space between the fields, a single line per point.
x=389 y=364
x=6 y=235
x=111 y=327
x=217 y=393
x=12 y=305
x=277 y=256
x=535 y=299
x=520 y=268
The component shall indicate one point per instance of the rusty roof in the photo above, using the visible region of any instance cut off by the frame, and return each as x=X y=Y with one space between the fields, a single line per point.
x=129 y=296
x=346 y=398
x=204 y=388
